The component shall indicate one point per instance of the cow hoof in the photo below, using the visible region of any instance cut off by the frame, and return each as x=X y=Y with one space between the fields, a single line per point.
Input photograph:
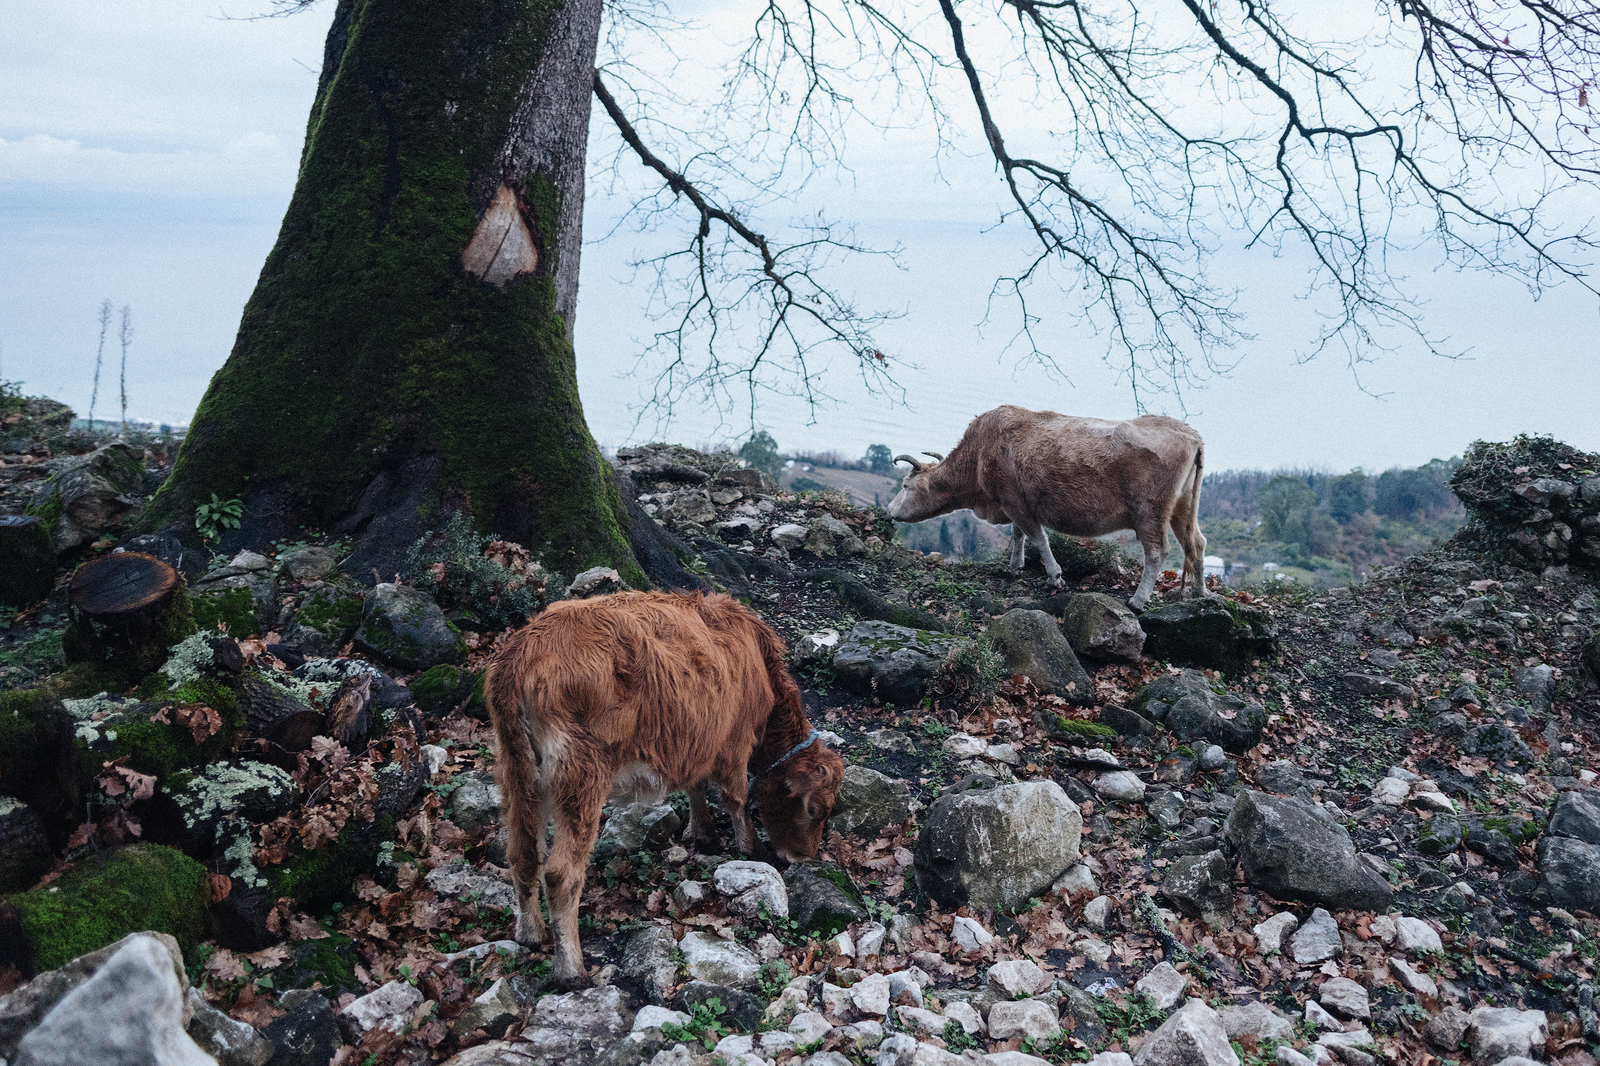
x=575 y=984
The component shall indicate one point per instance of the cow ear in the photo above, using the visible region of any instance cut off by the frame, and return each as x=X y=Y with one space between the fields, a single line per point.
x=804 y=782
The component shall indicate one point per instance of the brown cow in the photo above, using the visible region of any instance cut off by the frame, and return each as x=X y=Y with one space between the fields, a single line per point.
x=1082 y=476
x=655 y=692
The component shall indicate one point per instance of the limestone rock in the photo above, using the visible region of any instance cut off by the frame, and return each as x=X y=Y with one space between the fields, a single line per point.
x=1017 y=977
x=997 y=848
x=1269 y=934
x=634 y=827
x=750 y=886
x=1256 y=1020
x=1121 y=785
x=1202 y=886
x=1500 y=1032
x=1414 y=934
x=870 y=802
x=1294 y=850
x=230 y=1042
x=1099 y=626
x=1031 y=644
x=307 y=1034
x=1187 y=705
x=1576 y=815
x=1193 y=1036
x=890 y=662
x=129 y=1013
x=576 y=1028
x=1317 y=939
x=720 y=962
x=1376 y=685
x=476 y=800
x=1346 y=998
x=388 y=1007
x=648 y=957
x=92 y=494
x=1163 y=986
x=1031 y=1019
x=1571 y=872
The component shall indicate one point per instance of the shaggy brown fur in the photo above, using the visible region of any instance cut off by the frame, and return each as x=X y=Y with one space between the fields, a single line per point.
x=660 y=690
x=1082 y=476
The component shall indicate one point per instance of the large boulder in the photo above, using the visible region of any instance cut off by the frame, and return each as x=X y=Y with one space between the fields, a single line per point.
x=576 y=1028
x=1571 y=872
x=870 y=802
x=995 y=849
x=890 y=662
x=402 y=625
x=90 y=495
x=244 y=594
x=1099 y=626
x=1209 y=632
x=129 y=1013
x=1576 y=815
x=1296 y=850
x=1532 y=502
x=326 y=619
x=1032 y=645
x=1202 y=886
x=1188 y=705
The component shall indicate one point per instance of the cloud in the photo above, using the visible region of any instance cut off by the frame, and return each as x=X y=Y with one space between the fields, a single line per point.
x=256 y=163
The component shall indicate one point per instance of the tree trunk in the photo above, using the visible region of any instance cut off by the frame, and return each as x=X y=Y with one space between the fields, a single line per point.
x=407 y=350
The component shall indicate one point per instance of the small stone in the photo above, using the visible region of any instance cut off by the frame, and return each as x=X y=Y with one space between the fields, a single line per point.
x=1097 y=911
x=1447 y=1029
x=891 y=740
x=1269 y=934
x=1120 y=786
x=963 y=746
x=904 y=989
x=436 y=757
x=1391 y=791
x=965 y=1015
x=1317 y=940
x=969 y=935
x=720 y=962
x=1382 y=926
x=1031 y=1019
x=1416 y=981
x=869 y=939
x=924 y=1021
x=844 y=944
x=1345 y=998
x=1004 y=753
x=1078 y=879
x=688 y=896
x=809 y=1027
x=870 y=995
x=752 y=886
x=1096 y=951
x=1320 y=1018
x=387 y=1007
x=1017 y=977
x=1288 y=1056
x=1193 y=1036
x=1433 y=801
x=653 y=1017
x=1163 y=986
x=1212 y=758
x=1500 y=1032
x=1255 y=1020
x=1111 y=1058
x=1414 y=934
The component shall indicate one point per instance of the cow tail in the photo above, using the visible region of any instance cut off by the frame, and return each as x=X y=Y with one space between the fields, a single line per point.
x=516 y=764
x=1194 y=487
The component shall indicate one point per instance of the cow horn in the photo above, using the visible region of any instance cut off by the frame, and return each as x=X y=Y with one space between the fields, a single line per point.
x=936 y=455
x=915 y=464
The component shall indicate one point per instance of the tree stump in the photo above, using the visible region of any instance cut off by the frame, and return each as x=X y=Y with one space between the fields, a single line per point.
x=27 y=561
x=126 y=611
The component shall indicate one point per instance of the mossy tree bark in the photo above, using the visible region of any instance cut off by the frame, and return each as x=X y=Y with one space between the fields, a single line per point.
x=408 y=347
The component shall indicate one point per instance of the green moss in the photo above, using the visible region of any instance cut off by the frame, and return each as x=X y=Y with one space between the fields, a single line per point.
x=333 y=611
x=145 y=886
x=442 y=688
x=330 y=961
x=313 y=877
x=365 y=334
x=234 y=609
x=158 y=748
x=1083 y=728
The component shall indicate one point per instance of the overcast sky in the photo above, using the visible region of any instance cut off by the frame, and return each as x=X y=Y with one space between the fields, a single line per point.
x=148 y=150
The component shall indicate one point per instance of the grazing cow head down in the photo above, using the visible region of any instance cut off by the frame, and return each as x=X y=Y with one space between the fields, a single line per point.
x=796 y=799
x=918 y=497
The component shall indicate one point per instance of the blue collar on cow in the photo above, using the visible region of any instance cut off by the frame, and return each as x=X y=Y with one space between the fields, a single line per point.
x=811 y=738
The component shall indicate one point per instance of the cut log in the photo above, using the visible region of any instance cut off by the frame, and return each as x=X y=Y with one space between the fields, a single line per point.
x=27 y=561
x=274 y=715
x=126 y=610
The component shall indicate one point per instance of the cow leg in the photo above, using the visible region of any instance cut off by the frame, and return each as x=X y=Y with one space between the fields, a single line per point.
x=1052 y=569
x=735 y=792
x=525 y=853
x=1155 y=552
x=581 y=793
x=1018 y=547
x=702 y=831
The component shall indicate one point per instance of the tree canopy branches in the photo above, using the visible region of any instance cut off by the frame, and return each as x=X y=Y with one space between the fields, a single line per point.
x=1139 y=140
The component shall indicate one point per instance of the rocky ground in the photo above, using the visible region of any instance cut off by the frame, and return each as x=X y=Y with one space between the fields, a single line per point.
x=1333 y=827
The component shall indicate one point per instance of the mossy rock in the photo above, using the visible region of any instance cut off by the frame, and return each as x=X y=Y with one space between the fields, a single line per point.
x=40 y=763
x=1061 y=727
x=145 y=886
x=326 y=620
x=1210 y=632
x=822 y=898
x=444 y=688
x=152 y=747
x=329 y=961
x=233 y=611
